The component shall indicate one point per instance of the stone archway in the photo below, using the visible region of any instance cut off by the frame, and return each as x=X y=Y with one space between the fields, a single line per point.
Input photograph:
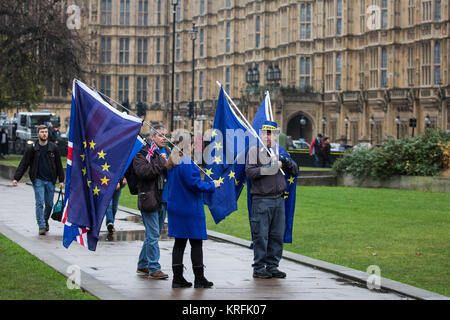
x=296 y=131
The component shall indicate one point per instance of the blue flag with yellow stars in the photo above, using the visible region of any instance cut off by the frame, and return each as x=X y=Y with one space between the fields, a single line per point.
x=226 y=161
x=263 y=114
x=101 y=140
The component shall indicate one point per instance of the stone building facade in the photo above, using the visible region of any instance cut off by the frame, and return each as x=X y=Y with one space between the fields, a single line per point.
x=357 y=70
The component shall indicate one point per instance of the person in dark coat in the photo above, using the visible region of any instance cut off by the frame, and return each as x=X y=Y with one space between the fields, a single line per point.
x=268 y=187
x=315 y=150
x=3 y=142
x=45 y=165
x=326 y=153
x=150 y=166
x=186 y=215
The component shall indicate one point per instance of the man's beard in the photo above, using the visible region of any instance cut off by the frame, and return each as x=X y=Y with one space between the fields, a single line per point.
x=42 y=139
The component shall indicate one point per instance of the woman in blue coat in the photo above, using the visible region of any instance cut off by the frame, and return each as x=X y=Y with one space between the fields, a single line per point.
x=186 y=217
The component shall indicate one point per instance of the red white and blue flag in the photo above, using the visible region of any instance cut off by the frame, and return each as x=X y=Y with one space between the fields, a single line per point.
x=151 y=151
x=102 y=142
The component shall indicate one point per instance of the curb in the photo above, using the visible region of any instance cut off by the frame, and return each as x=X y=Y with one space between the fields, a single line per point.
x=345 y=272
x=89 y=283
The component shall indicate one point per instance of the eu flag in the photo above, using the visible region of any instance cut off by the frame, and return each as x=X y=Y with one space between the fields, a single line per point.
x=262 y=115
x=226 y=163
x=101 y=140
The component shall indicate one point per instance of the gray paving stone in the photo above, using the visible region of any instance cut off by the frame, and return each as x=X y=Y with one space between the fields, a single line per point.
x=111 y=270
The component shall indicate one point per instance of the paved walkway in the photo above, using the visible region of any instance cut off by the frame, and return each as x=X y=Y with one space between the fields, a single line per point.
x=112 y=267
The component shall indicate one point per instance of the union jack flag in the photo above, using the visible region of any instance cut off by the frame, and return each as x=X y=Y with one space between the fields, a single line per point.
x=151 y=151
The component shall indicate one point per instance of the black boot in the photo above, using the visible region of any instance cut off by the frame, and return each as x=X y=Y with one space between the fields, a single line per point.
x=200 y=280
x=178 y=280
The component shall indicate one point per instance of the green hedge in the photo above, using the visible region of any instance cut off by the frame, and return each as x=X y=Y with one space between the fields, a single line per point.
x=418 y=156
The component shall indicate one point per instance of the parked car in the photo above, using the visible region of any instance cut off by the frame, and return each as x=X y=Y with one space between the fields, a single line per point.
x=299 y=144
x=363 y=145
x=337 y=147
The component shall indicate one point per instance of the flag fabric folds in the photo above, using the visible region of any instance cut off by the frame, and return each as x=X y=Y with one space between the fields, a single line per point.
x=262 y=115
x=226 y=161
x=101 y=142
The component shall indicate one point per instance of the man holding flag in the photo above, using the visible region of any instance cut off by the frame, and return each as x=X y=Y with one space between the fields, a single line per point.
x=268 y=188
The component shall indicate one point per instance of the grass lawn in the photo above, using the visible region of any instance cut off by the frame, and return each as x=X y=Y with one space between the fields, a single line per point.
x=406 y=233
x=25 y=277
x=14 y=159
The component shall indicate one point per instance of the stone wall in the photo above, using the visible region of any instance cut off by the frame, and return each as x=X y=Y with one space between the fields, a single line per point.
x=434 y=184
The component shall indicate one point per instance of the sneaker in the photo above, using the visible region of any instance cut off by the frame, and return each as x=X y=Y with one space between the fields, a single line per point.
x=277 y=273
x=42 y=231
x=143 y=271
x=110 y=228
x=263 y=274
x=158 y=275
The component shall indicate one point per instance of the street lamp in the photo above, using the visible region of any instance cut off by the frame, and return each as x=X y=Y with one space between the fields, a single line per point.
x=346 y=128
x=372 y=123
x=255 y=76
x=397 y=121
x=193 y=33
x=252 y=76
x=270 y=73
x=276 y=74
x=174 y=3
x=324 y=122
x=427 y=121
x=302 y=124
x=249 y=76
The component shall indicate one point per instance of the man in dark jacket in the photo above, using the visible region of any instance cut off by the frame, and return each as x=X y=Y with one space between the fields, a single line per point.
x=150 y=167
x=45 y=167
x=316 y=150
x=268 y=217
x=326 y=153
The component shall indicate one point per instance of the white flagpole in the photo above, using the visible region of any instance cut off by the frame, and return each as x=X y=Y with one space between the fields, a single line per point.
x=270 y=105
x=249 y=127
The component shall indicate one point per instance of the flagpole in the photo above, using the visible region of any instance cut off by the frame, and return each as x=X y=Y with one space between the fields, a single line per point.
x=249 y=127
x=270 y=105
x=151 y=127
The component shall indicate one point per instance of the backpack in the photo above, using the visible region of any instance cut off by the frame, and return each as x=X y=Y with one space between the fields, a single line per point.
x=132 y=179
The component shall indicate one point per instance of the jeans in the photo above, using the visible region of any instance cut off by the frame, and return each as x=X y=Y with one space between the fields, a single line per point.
x=112 y=208
x=317 y=161
x=43 y=193
x=154 y=223
x=267 y=224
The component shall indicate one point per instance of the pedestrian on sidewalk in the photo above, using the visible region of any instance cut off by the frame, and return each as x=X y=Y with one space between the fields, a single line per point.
x=113 y=204
x=267 y=222
x=45 y=165
x=3 y=142
x=186 y=215
x=150 y=167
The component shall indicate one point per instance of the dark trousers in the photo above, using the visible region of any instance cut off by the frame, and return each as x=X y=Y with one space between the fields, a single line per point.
x=196 y=251
x=267 y=225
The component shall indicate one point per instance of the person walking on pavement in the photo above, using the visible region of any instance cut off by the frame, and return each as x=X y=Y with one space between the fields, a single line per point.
x=186 y=215
x=113 y=204
x=150 y=166
x=315 y=149
x=3 y=142
x=45 y=165
x=268 y=186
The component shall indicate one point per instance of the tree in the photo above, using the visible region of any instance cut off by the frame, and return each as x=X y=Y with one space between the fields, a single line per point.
x=36 y=45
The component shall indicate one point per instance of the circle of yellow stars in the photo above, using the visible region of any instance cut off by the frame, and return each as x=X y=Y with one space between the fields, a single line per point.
x=105 y=167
